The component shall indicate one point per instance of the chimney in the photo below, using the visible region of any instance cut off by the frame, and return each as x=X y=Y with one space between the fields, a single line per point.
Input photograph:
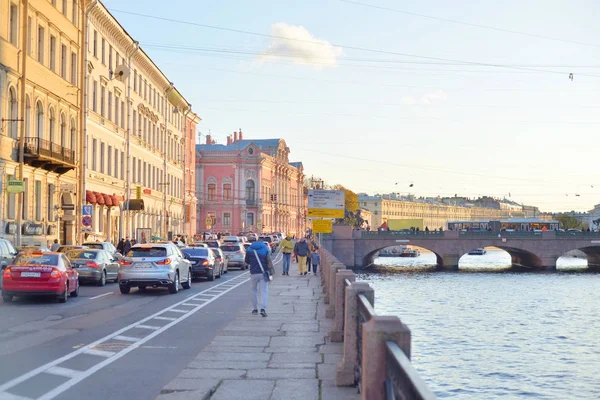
x=214 y=141
x=235 y=137
x=228 y=140
x=208 y=139
x=241 y=137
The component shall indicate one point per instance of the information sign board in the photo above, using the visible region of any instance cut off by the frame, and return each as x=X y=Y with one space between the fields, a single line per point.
x=322 y=226
x=15 y=186
x=326 y=203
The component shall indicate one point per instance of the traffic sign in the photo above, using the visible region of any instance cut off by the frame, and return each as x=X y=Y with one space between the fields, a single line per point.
x=326 y=203
x=322 y=226
x=86 y=221
x=87 y=210
x=259 y=225
x=15 y=186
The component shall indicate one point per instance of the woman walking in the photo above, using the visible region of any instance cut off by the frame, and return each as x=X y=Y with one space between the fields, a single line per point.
x=258 y=257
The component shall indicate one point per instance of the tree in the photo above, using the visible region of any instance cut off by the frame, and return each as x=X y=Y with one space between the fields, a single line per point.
x=351 y=206
x=570 y=222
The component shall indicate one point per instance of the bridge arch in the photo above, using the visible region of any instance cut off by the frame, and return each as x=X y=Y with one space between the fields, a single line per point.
x=369 y=258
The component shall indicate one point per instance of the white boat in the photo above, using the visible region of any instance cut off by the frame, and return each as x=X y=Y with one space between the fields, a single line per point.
x=477 y=252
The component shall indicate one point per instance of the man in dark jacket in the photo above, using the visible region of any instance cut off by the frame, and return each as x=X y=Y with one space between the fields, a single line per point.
x=126 y=247
x=120 y=245
x=257 y=279
x=302 y=251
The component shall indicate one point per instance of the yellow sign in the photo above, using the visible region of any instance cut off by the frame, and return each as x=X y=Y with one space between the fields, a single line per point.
x=138 y=192
x=325 y=213
x=322 y=226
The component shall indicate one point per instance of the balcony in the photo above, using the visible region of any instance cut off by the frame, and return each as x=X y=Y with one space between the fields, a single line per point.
x=50 y=156
x=251 y=202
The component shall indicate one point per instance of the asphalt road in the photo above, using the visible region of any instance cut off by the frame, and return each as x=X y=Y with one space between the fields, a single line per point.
x=105 y=345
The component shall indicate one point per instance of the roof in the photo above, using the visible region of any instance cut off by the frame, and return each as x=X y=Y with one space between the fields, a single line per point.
x=263 y=144
x=297 y=164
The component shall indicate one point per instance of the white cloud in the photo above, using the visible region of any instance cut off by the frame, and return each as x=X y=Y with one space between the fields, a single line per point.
x=427 y=98
x=303 y=49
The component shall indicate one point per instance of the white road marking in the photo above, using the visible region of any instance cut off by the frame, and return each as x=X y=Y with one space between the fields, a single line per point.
x=101 y=295
x=152 y=328
x=127 y=338
x=179 y=311
x=67 y=372
x=165 y=318
x=110 y=356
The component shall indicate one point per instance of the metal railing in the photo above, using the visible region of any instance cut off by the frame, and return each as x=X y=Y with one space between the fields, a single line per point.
x=501 y=234
x=35 y=146
x=404 y=233
x=577 y=234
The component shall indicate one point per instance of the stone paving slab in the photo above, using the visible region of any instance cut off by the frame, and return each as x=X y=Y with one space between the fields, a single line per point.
x=285 y=356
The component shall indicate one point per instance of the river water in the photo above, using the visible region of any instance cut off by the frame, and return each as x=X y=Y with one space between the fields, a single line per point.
x=496 y=334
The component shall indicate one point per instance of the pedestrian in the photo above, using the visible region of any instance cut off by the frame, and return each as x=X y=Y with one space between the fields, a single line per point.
x=257 y=256
x=55 y=245
x=218 y=235
x=120 y=246
x=287 y=247
x=133 y=241
x=316 y=260
x=302 y=251
x=308 y=259
x=126 y=246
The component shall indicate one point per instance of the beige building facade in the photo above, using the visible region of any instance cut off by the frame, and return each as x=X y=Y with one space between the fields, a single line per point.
x=40 y=93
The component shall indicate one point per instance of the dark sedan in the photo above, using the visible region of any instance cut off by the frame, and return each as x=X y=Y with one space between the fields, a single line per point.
x=204 y=262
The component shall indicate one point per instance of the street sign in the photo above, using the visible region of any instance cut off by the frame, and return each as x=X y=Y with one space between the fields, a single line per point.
x=259 y=225
x=322 y=226
x=86 y=221
x=86 y=210
x=15 y=187
x=138 y=192
x=326 y=203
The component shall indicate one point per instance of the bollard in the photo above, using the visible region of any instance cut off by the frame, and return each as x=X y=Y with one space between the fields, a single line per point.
x=375 y=333
x=345 y=369
x=336 y=334
x=333 y=270
x=325 y=276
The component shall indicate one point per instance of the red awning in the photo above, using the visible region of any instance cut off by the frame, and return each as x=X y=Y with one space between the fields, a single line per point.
x=90 y=197
x=108 y=200
x=115 y=200
x=99 y=198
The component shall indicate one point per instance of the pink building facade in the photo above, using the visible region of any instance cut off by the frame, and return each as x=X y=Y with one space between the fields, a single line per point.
x=249 y=186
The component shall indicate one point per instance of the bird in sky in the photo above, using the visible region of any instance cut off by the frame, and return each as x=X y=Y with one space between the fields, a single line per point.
x=411 y=185
x=576 y=195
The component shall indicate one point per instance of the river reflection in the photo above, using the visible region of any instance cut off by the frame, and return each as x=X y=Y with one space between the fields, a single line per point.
x=497 y=335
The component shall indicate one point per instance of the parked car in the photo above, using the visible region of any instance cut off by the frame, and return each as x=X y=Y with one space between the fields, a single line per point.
x=269 y=241
x=95 y=265
x=40 y=274
x=155 y=265
x=204 y=263
x=221 y=257
x=213 y=244
x=252 y=237
x=199 y=244
x=67 y=248
x=234 y=254
x=108 y=246
x=7 y=254
x=230 y=239
x=246 y=245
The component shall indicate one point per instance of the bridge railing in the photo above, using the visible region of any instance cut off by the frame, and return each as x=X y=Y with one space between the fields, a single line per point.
x=577 y=234
x=497 y=235
x=396 y=234
x=376 y=357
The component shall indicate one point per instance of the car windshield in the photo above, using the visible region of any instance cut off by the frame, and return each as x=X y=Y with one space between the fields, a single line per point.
x=213 y=244
x=93 y=245
x=64 y=249
x=266 y=239
x=82 y=254
x=72 y=253
x=147 y=252
x=230 y=247
x=32 y=259
x=196 y=252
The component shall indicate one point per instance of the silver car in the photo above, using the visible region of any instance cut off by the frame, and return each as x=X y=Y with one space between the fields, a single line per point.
x=94 y=265
x=234 y=254
x=155 y=265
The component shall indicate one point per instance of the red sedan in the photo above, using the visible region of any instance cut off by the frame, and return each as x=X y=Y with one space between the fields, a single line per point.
x=40 y=274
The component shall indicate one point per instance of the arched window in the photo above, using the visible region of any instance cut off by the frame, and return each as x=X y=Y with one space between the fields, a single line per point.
x=52 y=127
x=27 y=117
x=39 y=110
x=13 y=113
x=73 y=135
x=63 y=131
x=250 y=188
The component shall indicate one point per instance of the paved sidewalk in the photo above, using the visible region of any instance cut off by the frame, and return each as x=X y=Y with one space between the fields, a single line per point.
x=284 y=356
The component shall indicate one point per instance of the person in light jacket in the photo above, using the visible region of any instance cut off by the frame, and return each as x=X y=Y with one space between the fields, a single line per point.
x=257 y=278
x=287 y=247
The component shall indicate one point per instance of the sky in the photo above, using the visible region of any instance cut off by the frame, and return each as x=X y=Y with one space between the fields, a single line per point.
x=462 y=97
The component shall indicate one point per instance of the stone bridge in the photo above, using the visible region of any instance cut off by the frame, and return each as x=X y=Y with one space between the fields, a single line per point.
x=527 y=249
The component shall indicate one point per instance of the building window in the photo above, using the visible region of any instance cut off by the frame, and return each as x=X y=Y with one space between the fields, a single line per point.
x=40 y=120
x=102 y=157
x=134 y=168
x=52 y=128
x=211 y=191
x=29 y=36
x=227 y=191
x=73 y=136
x=63 y=61
x=249 y=219
x=102 y=94
x=13 y=33
x=226 y=219
x=64 y=7
x=95 y=96
x=123 y=114
x=40 y=53
x=14 y=113
x=116 y=111
x=38 y=200
x=250 y=191
x=75 y=12
x=94 y=151
x=110 y=97
x=74 y=69
x=63 y=131
x=103 y=51
x=116 y=158
x=110 y=53
x=135 y=80
x=53 y=53
x=95 y=44
x=50 y=207
x=122 y=165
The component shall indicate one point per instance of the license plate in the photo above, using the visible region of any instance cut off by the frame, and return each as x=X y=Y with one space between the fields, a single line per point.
x=143 y=265
x=30 y=274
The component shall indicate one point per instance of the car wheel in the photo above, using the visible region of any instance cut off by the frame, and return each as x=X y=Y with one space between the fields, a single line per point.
x=75 y=292
x=211 y=276
x=220 y=273
x=102 y=280
x=188 y=284
x=124 y=289
x=63 y=297
x=7 y=298
x=174 y=287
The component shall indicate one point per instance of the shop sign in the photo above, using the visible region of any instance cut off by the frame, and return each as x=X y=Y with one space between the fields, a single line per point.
x=15 y=186
x=33 y=229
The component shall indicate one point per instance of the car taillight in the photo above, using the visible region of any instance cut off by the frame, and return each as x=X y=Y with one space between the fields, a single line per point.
x=166 y=261
x=205 y=262
x=55 y=274
x=6 y=273
x=124 y=262
x=92 y=264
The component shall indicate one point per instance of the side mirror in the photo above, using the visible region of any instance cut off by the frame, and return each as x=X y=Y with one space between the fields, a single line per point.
x=187 y=257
